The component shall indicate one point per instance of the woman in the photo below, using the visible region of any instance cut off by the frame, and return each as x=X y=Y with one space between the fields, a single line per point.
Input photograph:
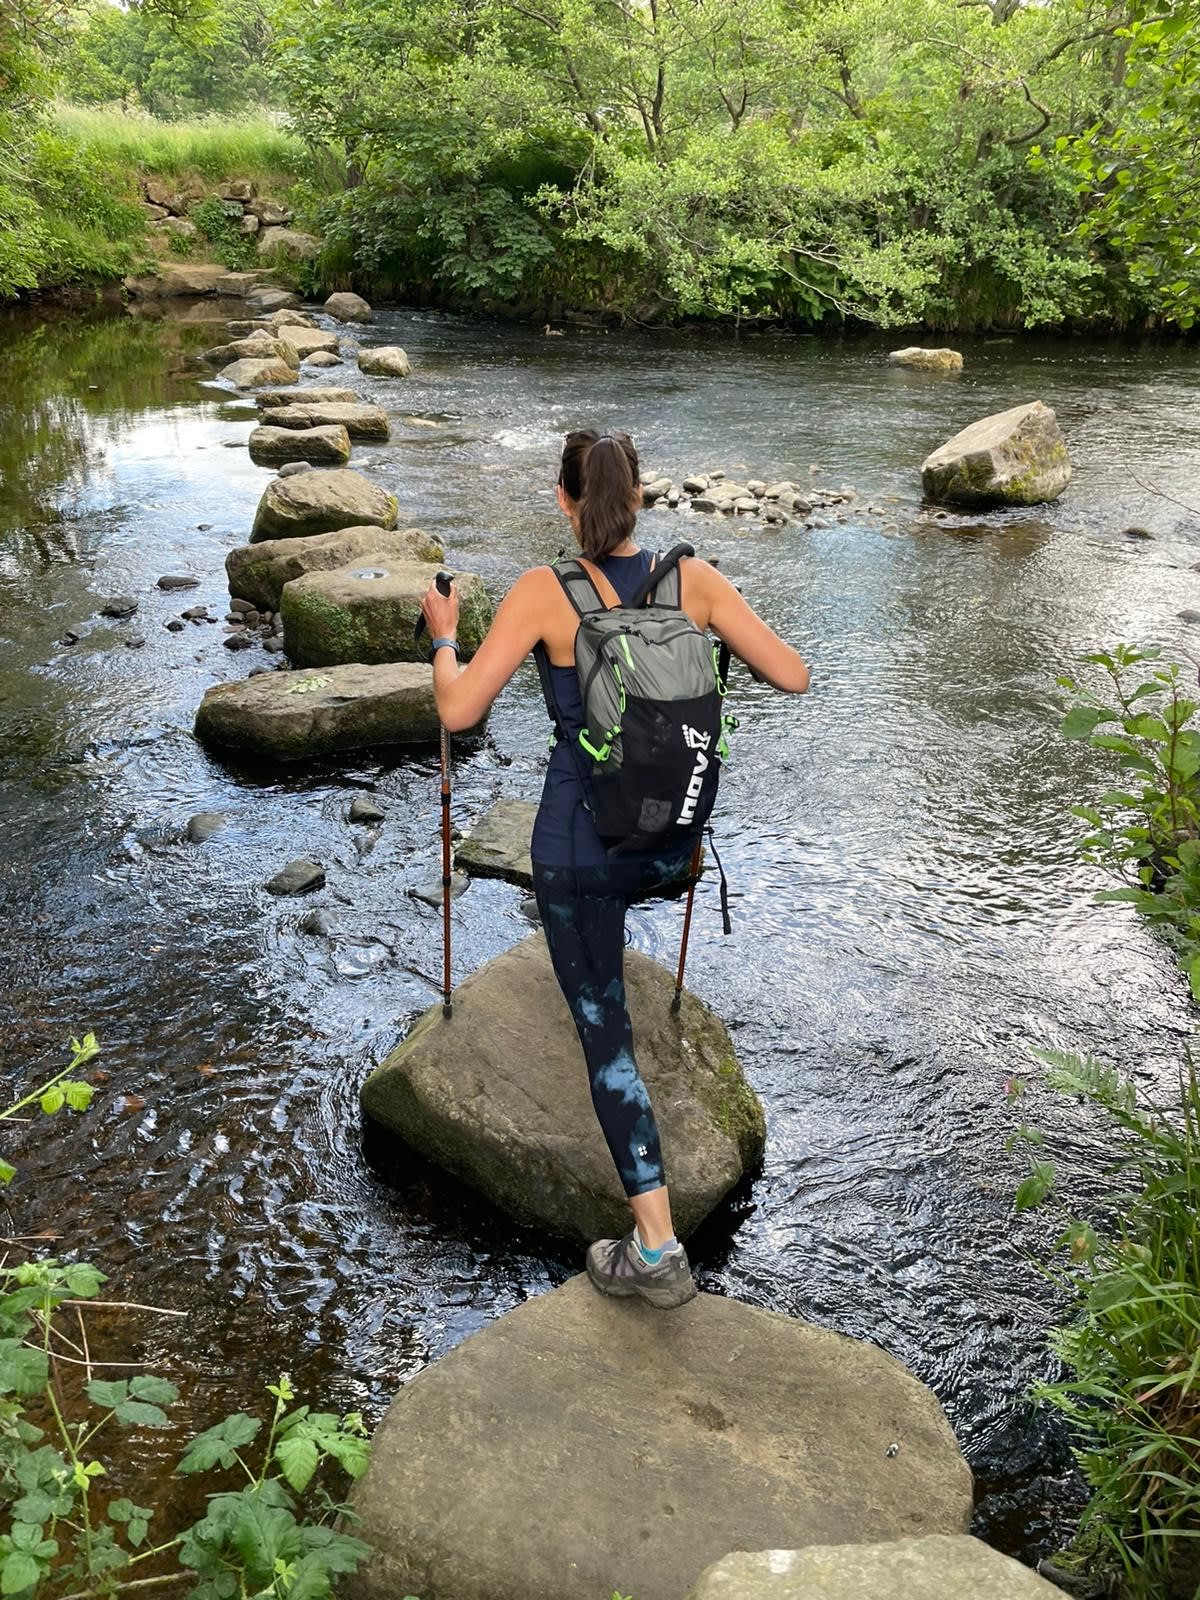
x=582 y=891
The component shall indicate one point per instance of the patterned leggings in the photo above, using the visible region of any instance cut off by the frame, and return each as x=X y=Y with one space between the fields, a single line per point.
x=583 y=914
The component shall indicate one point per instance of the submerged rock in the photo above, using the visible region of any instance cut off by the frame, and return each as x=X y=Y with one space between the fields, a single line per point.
x=939 y=1566
x=323 y=358
x=271 y=446
x=367 y=612
x=203 y=825
x=319 y=502
x=359 y=421
x=348 y=307
x=580 y=1442
x=293 y=716
x=1017 y=457
x=178 y=580
x=915 y=355
x=258 y=572
x=364 y=810
x=386 y=361
x=298 y=877
x=531 y=1143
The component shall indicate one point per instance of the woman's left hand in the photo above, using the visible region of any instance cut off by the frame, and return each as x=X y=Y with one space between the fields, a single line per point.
x=441 y=612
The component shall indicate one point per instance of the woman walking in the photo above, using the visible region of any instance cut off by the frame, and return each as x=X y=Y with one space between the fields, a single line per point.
x=583 y=889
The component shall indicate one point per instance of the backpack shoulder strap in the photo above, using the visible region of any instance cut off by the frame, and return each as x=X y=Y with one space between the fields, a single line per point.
x=661 y=586
x=579 y=589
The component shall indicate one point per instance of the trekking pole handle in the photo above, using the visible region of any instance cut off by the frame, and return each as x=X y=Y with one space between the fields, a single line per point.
x=444 y=580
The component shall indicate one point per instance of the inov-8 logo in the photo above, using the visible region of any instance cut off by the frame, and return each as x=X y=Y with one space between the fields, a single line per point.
x=699 y=742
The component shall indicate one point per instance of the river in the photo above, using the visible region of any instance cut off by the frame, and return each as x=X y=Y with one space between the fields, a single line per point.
x=910 y=917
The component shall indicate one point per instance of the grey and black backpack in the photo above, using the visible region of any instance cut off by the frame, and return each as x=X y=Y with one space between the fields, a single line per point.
x=653 y=691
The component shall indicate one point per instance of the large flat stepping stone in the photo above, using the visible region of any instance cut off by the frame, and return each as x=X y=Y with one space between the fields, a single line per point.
x=320 y=502
x=498 y=1095
x=1017 y=457
x=306 y=396
x=261 y=346
x=292 y=716
x=359 y=421
x=940 y=1566
x=253 y=370
x=498 y=844
x=305 y=340
x=581 y=1445
x=368 y=611
x=258 y=572
x=271 y=446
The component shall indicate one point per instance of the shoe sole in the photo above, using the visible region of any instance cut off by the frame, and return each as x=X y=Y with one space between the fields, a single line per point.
x=661 y=1299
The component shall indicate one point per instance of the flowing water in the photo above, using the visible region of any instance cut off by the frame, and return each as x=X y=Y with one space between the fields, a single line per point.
x=910 y=916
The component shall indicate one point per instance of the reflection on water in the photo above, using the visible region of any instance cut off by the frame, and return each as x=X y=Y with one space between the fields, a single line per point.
x=909 y=913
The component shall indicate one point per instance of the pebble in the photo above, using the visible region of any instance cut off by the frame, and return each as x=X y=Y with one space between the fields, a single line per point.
x=135 y=643
x=703 y=503
x=178 y=580
x=319 y=923
x=69 y=638
x=1189 y=616
x=431 y=893
x=196 y=614
x=237 y=641
x=203 y=527
x=241 y=605
x=274 y=643
x=1137 y=533
x=174 y=626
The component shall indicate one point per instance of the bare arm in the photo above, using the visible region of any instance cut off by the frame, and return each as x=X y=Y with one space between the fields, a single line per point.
x=464 y=694
x=749 y=637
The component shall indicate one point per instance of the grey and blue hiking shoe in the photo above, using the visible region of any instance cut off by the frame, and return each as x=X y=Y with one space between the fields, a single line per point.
x=617 y=1267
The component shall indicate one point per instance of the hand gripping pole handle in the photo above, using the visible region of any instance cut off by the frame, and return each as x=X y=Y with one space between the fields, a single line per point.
x=443 y=581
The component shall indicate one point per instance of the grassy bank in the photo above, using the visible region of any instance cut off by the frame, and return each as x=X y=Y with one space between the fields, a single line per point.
x=70 y=191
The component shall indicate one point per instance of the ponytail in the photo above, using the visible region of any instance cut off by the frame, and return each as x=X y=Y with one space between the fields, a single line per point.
x=600 y=472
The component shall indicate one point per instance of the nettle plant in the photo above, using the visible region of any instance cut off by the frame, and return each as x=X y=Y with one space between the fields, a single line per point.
x=270 y=1537
x=1146 y=830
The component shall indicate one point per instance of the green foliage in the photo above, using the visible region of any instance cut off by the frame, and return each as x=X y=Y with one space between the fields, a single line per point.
x=1145 y=829
x=1132 y=1280
x=230 y=246
x=59 y=1535
x=212 y=148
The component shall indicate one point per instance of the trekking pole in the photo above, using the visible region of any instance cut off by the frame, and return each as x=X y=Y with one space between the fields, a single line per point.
x=693 y=874
x=443 y=581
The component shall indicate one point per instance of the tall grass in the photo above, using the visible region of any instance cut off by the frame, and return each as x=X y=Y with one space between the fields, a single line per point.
x=214 y=148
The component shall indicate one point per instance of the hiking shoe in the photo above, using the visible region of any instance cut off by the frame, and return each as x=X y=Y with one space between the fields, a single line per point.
x=616 y=1267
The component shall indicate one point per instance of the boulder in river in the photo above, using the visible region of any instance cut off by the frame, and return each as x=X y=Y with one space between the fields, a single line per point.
x=386 y=361
x=312 y=397
x=260 y=345
x=939 y=1566
x=294 y=716
x=289 y=317
x=258 y=572
x=323 y=358
x=304 y=341
x=915 y=355
x=249 y=374
x=270 y=446
x=359 y=421
x=346 y=307
x=319 y=502
x=262 y=302
x=498 y=845
x=367 y=612
x=1017 y=457
x=579 y=1444
x=298 y=877
x=531 y=1143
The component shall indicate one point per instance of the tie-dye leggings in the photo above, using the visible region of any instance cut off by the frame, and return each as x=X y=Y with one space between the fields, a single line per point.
x=583 y=914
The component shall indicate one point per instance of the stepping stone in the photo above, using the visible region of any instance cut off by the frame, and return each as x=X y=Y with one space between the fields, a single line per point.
x=292 y=716
x=322 y=358
x=359 y=421
x=320 y=502
x=289 y=317
x=938 y=1567
x=304 y=341
x=328 y=446
x=262 y=302
x=927 y=360
x=498 y=844
x=249 y=373
x=261 y=346
x=579 y=1445
x=385 y=361
x=1017 y=457
x=306 y=397
x=346 y=307
x=531 y=1143
x=258 y=572
x=367 y=611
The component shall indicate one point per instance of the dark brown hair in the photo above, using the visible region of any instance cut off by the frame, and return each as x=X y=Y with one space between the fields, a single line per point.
x=600 y=472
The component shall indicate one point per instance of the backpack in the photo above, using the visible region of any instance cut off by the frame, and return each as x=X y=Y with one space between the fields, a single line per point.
x=653 y=690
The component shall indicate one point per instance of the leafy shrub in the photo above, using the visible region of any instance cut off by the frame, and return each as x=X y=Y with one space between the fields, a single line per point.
x=232 y=247
x=1145 y=832
x=1132 y=1347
